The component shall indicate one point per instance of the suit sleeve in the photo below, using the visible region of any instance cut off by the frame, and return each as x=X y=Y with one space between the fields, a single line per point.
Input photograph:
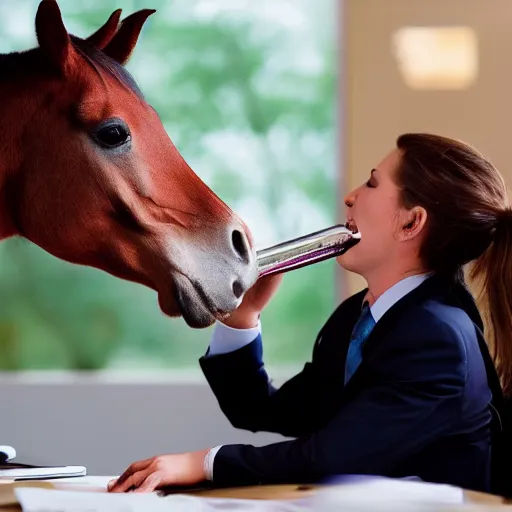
x=416 y=399
x=249 y=400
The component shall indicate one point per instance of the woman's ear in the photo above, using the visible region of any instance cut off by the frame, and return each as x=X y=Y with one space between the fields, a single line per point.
x=411 y=223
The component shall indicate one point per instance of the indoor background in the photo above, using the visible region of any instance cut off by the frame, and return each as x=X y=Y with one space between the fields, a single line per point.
x=280 y=106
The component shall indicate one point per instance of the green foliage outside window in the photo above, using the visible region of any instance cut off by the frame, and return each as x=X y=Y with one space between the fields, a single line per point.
x=247 y=92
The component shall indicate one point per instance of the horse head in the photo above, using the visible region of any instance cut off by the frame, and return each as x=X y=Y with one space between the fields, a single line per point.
x=89 y=174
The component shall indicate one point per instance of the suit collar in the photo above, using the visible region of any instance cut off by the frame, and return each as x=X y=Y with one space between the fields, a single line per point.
x=393 y=294
x=449 y=289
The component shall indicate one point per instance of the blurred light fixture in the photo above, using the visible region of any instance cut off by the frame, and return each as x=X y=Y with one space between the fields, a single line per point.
x=436 y=58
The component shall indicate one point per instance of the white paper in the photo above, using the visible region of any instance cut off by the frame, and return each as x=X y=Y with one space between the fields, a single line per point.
x=349 y=495
x=45 y=500
x=386 y=494
x=97 y=483
x=41 y=472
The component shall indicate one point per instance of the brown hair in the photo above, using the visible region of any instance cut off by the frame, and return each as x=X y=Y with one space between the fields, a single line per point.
x=469 y=220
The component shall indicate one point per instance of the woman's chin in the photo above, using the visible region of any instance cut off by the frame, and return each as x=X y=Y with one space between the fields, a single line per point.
x=348 y=261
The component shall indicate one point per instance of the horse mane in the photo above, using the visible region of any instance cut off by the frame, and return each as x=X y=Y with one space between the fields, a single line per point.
x=29 y=63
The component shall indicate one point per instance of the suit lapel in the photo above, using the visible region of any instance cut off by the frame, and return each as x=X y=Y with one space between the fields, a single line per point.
x=332 y=342
x=334 y=338
x=429 y=288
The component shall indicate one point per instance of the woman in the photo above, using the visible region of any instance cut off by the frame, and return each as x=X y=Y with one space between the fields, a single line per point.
x=400 y=383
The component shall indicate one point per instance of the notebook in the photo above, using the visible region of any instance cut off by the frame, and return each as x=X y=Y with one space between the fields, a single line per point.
x=15 y=471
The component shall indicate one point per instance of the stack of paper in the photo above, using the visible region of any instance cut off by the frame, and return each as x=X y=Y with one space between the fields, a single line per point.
x=13 y=471
x=349 y=495
x=391 y=495
x=36 y=500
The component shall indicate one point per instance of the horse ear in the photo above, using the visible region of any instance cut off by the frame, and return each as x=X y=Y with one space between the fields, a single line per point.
x=52 y=36
x=104 y=34
x=122 y=44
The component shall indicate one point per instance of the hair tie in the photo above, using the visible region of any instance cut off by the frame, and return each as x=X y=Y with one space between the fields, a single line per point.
x=504 y=217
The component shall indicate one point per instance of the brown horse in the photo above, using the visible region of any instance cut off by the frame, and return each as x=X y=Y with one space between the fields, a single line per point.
x=88 y=173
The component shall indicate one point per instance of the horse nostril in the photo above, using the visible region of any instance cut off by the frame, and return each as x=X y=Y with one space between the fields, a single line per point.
x=237 y=289
x=240 y=245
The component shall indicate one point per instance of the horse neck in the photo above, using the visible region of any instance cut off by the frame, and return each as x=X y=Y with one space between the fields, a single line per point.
x=18 y=104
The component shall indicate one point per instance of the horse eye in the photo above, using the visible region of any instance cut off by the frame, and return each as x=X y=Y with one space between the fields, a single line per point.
x=112 y=135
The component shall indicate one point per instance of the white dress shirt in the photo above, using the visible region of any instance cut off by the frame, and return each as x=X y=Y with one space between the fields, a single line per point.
x=227 y=339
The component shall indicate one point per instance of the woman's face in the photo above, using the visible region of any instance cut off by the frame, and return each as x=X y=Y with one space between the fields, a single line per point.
x=374 y=210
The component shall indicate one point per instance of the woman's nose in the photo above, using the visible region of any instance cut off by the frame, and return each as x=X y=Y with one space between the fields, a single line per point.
x=349 y=200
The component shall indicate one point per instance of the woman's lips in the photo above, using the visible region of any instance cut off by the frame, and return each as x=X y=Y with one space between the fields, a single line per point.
x=352 y=226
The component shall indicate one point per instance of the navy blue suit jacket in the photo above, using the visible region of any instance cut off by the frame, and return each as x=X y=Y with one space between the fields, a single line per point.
x=418 y=405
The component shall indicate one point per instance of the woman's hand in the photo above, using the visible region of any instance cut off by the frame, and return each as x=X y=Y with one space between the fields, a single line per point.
x=150 y=474
x=253 y=303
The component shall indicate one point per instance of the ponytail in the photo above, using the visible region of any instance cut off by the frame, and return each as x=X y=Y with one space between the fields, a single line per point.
x=491 y=275
x=469 y=221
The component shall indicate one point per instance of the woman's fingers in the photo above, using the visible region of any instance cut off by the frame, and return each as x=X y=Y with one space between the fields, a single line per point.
x=151 y=483
x=133 y=480
x=151 y=474
x=133 y=468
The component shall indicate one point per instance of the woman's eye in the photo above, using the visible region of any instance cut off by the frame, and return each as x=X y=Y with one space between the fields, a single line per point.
x=113 y=135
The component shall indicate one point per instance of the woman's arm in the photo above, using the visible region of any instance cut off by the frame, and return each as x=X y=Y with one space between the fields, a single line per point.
x=416 y=401
x=247 y=397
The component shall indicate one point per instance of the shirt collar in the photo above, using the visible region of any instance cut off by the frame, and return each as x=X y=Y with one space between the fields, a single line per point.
x=395 y=293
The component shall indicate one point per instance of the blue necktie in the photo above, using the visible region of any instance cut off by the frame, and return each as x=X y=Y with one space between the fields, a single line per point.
x=360 y=334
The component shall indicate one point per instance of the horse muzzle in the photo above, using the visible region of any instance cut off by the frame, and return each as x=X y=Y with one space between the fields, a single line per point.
x=209 y=276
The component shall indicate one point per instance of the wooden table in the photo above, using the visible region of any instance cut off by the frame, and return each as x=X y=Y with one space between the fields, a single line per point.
x=260 y=492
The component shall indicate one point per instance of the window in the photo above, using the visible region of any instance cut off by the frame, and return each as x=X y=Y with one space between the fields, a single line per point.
x=247 y=92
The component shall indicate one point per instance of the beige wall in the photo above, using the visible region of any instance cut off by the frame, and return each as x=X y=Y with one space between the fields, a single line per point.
x=377 y=106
